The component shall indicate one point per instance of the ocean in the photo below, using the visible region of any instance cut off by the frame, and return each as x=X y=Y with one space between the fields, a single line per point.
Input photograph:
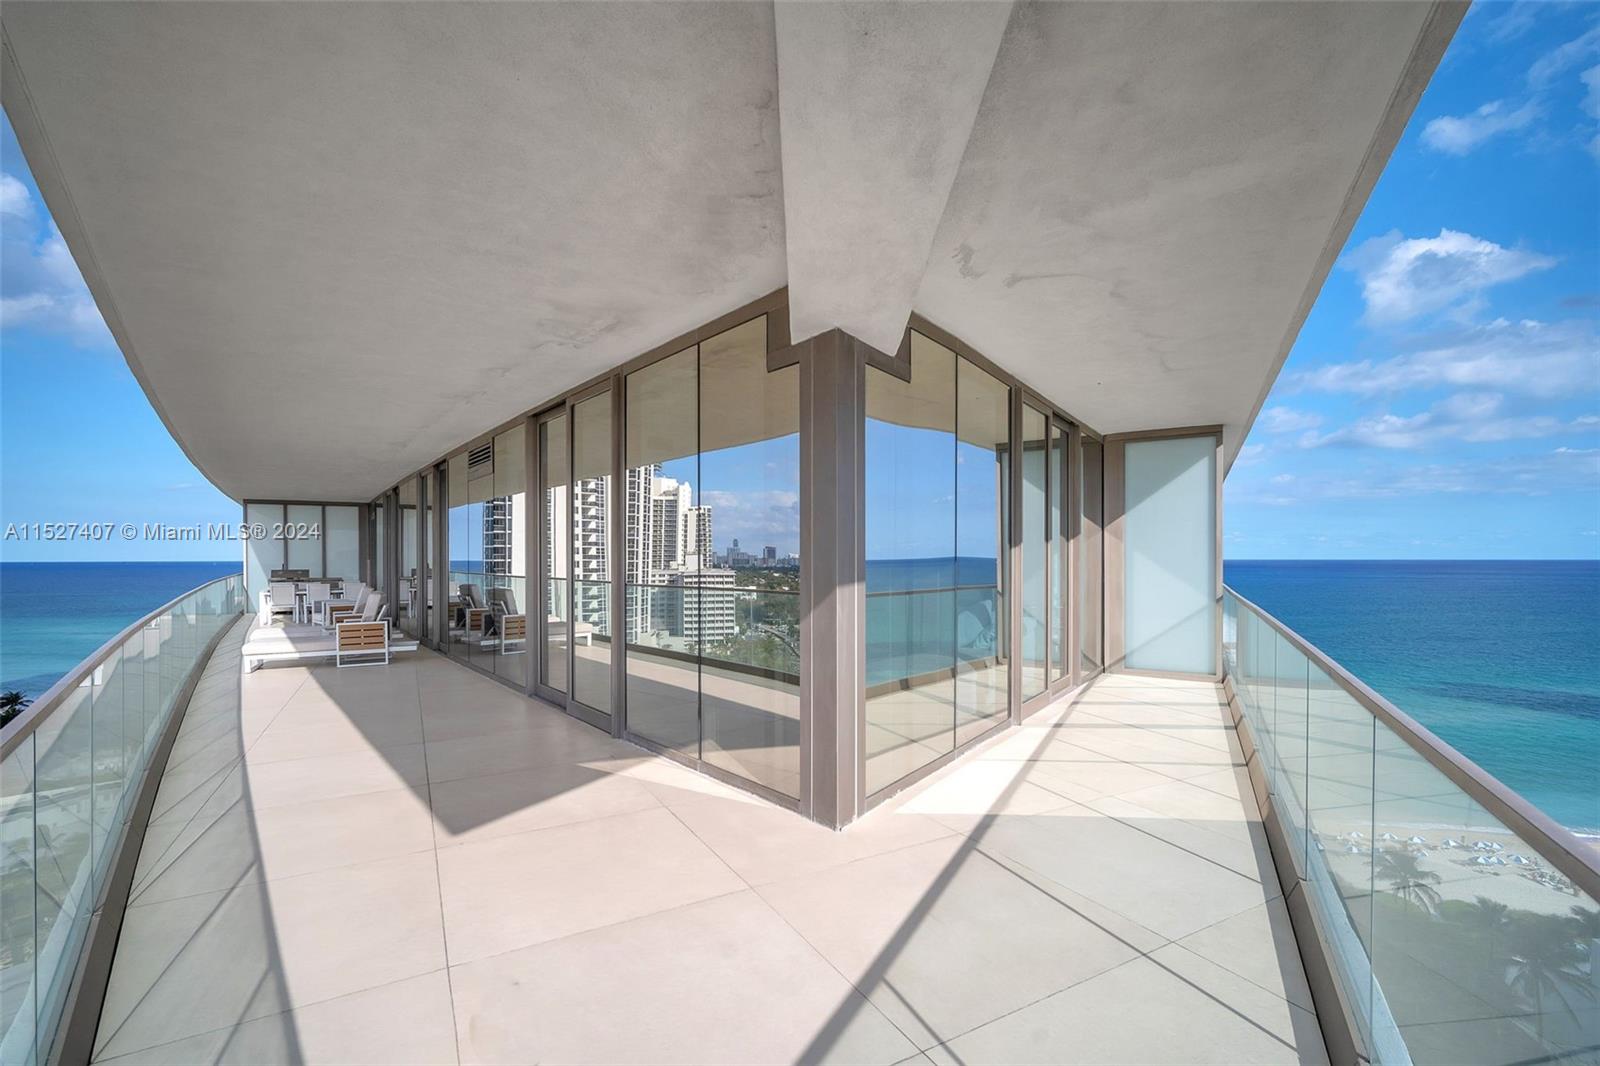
x=54 y=615
x=1500 y=659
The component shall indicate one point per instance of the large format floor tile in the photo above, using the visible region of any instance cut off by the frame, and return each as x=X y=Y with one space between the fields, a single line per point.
x=513 y=891
x=418 y=864
x=723 y=981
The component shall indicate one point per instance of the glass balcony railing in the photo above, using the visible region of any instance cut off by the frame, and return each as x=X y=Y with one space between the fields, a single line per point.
x=1460 y=922
x=72 y=768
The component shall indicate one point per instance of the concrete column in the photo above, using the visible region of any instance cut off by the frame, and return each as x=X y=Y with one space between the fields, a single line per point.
x=833 y=587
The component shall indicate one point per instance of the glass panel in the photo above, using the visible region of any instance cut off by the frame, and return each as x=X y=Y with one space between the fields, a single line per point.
x=379 y=568
x=983 y=498
x=1058 y=553
x=484 y=546
x=592 y=500
x=663 y=573
x=1481 y=952
x=749 y=606
x=1339 y=822
x=1169 y=543
x=110 y=766
x=262 y=554
x=1091 y=590
x=463 y=541
x=554 y=519
x=505 y=524
x=425 y=582
x=1290 y=671
x=341 y=538
x=1035 y=540
x=18 y=839
x=407 y=593
x=304 y=536
x=910 y=565
x=63 y=843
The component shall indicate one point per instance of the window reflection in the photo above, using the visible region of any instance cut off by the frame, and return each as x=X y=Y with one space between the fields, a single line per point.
x=505 y=552
x=1035 y=538
x=713 y=625
x=983 y=512
x=406 y=605
x=1057 y=540
x=1090 y=590
x=936 y=498
x=555 y=520
x=592 y=500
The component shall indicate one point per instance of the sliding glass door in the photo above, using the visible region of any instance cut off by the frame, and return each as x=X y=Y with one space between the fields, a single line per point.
x=712 y=465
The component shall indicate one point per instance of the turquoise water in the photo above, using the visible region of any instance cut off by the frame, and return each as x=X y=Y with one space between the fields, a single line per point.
x=54 y=615
x=1500 y=659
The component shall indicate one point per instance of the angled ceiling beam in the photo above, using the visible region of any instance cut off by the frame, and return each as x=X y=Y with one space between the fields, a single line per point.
x=876 y=102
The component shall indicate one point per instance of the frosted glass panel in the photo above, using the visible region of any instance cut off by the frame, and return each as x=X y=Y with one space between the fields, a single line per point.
x=1170 y=545
x=261 y=556
x=305 y=538
x=342 y=534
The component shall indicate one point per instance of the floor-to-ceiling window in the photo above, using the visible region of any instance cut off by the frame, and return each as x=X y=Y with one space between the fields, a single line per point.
x=410 y=540
x=936 y=470
x=425 y=589
x=1057 y=534
x=663 y=572
x=1035 y=551
x=1091 y=588
x=379 y=569
x=466 y=606
x=593 y=500
x=341 y=542
x=712 y=568
x=983 y=533
x=505 y=552
x=555 y=548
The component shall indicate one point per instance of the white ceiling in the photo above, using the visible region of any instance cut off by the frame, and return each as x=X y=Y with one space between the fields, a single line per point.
x=337 y=240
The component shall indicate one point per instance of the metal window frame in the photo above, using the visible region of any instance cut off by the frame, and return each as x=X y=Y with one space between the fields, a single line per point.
x=832 y=421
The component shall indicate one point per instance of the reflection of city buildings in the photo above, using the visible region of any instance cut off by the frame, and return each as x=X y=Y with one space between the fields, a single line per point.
x=591 y=556
x=669 y=542
x=497 y=540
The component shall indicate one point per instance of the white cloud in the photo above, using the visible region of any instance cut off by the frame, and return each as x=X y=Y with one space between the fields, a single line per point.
x=14 y=199
x=1402 y=278
x=1473 y=417
x=1556 y=62
x=1526 y=358
x=1287 y=420
x=1558 y=470
x=40 y=286
x=1460 y=134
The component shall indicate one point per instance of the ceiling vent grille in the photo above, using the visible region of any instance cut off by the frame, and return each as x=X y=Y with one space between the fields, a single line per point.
x=480 y=460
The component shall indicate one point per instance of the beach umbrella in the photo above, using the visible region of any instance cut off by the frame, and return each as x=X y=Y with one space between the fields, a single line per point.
x=1387 y=836
x=1452 y=842
x=1497 y=847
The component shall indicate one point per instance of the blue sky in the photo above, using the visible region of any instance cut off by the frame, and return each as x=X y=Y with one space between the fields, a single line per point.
x=1443 y=398
x=1442 y=401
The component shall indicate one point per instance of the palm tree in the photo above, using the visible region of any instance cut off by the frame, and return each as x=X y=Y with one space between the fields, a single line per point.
x=1408 y=880
x=12 y=703
x=1489 y=918
x=1545 y=959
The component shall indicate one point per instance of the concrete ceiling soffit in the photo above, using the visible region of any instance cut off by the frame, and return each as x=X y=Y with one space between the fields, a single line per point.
x=876 y=103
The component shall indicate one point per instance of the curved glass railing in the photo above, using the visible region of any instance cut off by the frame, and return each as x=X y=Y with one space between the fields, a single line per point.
x=71 y=769
x=1460 y=922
